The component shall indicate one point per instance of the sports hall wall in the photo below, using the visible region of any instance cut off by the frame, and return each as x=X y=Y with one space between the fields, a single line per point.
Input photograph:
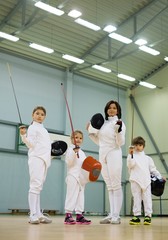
x=36 y=84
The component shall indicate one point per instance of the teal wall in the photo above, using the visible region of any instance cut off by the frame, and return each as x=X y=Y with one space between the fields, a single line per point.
x=37 y=84
x=34 y=85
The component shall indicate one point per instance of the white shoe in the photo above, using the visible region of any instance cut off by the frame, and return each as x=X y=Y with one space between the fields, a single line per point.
x=106 y=220
x=116 y=220
x=44 y=219
x=34 y=219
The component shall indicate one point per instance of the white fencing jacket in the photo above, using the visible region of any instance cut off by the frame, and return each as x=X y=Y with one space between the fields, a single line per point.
x=74 y=165
x=38 y=141
x=108 y=137
x=141 y=167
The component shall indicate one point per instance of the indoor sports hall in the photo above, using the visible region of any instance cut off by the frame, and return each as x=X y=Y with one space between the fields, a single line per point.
x=72 y=57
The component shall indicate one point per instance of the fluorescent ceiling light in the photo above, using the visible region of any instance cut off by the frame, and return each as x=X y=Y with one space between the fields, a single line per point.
x=49 y=8
x=103 y=69
x=141 y=42
x=120 y=38
x=149 y=50
x=109 y=28
x=74 y=13
x=87 y=24
x=148 y=85
x=9 y=37
x=166 y=59
x=41 y=48
x=126 y=77
x=73 y=59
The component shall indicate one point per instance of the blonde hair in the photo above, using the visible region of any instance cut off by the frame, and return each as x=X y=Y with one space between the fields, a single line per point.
x=76 y=132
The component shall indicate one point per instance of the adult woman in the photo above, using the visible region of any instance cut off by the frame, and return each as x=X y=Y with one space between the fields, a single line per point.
x=110 y=138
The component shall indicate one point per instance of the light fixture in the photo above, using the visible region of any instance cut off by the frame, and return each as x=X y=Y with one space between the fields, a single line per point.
x=149 y=50
x=166 y=59
x=126 y=77
x=141 y=42
x=41 y=48
x=148 y=85
x=49 y=8
x=9 y=37
x=103 y=69
x=120 y=38
x=87 y=24
x=109 y=28
x=73 y=59
x=74 y=13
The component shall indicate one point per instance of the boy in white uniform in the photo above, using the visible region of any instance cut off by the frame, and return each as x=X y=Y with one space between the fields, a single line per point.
x=39 y=159
x=141 y=167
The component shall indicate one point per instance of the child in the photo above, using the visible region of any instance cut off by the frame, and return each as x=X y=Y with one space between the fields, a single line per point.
x=110 y=138
x=39 y=159
x=76 y=180
x=141 y=167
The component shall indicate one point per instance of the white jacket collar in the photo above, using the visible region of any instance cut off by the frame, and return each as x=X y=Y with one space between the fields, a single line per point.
x=112 y=119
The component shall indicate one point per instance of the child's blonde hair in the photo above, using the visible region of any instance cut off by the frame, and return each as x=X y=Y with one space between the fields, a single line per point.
x=76 y=132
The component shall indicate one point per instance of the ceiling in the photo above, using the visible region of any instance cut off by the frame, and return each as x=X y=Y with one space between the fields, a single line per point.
x=133 y=18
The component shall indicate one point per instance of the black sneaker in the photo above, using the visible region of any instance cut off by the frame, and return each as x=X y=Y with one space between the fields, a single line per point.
x=69 y=220
x=147 y=220
x=135 y=221
x=83 y=220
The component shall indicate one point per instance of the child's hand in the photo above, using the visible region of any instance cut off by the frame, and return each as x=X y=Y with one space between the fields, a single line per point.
x=76 y=149
x=22 y=130
x=131 y=150
x=164 y=178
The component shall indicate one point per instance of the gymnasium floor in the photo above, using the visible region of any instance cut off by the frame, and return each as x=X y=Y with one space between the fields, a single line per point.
x=16 y=227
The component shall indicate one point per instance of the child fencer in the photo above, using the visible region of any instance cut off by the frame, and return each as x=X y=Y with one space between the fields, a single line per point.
x=141 y=167
x=38 y=142
x=76 y=180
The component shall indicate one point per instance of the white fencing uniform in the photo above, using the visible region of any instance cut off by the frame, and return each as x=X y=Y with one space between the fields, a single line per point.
x=110 y=156
x=141 y=167
x=39 y=159
x=76 y=180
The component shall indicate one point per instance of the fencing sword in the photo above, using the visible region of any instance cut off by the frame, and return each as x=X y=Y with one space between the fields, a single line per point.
x=70 y=118
x=16 y=101
x=14 y=93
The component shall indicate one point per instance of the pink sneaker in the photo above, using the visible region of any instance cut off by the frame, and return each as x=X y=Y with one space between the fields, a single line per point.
x=82 y=220
x=69 y=220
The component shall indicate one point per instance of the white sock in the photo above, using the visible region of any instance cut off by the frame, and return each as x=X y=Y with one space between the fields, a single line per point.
x=38 y=209
x=117 y=202
x=111 y=202
x=32 y=199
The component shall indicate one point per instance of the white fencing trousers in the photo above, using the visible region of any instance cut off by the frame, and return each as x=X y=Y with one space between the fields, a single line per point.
x=112 y=169
x=139 y=195
x=38 y=172
x=74 y=196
